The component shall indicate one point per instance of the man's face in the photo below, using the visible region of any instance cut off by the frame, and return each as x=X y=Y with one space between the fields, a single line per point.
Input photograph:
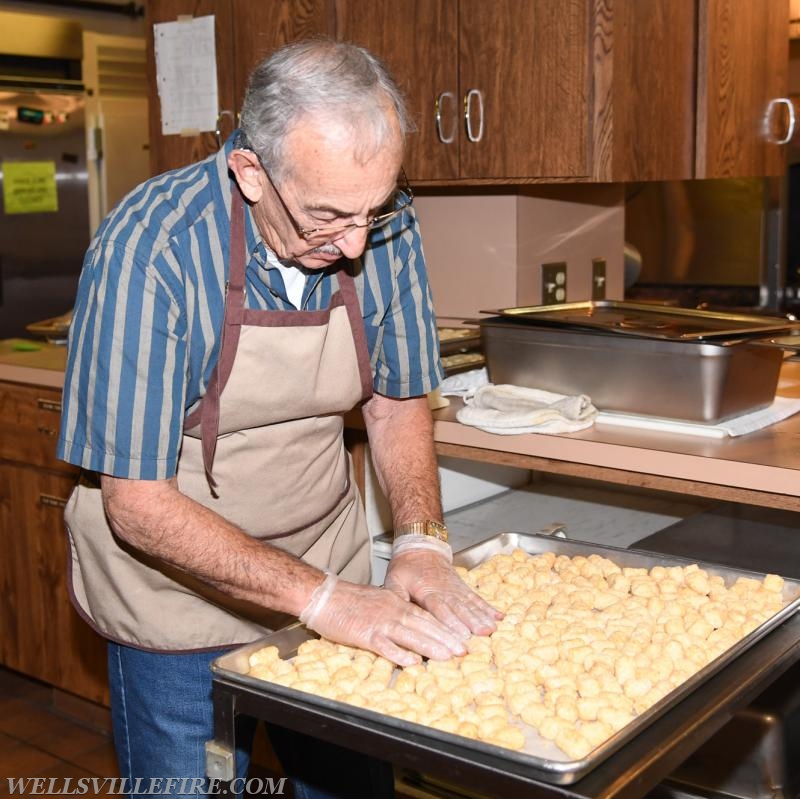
x=329 y=187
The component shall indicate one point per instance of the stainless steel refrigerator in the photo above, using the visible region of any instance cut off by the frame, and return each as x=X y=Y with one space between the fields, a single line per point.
x=44 y=204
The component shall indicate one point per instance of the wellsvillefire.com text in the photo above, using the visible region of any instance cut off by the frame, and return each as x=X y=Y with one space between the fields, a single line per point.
x=153 y=786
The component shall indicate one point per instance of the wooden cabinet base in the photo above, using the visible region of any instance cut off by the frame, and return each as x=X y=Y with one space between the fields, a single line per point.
x=42 y=635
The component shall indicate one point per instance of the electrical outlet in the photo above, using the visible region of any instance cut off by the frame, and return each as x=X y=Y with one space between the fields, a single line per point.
x=554 y=283
x=598 y=278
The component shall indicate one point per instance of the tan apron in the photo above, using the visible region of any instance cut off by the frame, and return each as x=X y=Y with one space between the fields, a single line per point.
x=271 y=426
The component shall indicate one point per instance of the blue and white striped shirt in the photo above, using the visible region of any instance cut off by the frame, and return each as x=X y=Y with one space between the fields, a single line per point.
x=145 y=332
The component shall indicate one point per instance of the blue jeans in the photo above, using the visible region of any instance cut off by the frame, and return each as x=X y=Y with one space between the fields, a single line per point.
x=162 y=714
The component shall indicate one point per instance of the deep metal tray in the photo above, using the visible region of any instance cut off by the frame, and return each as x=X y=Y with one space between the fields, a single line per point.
x=691 y=380
x=542 y=760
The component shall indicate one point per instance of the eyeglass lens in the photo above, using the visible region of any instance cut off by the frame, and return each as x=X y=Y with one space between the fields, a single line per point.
x=378 y=221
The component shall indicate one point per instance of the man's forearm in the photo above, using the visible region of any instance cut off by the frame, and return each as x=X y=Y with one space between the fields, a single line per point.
x=156 y=518
x=401 y=441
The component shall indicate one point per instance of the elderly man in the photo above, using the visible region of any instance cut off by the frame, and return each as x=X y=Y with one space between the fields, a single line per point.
x=228 y=314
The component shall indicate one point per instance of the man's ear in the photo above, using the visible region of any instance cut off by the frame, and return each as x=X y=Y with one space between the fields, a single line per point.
x=247 y=171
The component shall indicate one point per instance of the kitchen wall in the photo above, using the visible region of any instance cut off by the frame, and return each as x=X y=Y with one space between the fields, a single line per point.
x=485 y=248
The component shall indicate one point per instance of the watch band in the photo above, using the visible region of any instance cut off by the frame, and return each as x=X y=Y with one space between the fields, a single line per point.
x=428 y=527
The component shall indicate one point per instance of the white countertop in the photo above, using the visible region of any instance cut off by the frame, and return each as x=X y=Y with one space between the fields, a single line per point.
x=762 y=467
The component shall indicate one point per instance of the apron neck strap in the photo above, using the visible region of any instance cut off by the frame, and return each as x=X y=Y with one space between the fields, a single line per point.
x=234 y=301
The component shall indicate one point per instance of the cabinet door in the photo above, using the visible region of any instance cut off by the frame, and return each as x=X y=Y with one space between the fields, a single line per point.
x=653 y=88
x=29 y=421
x=528 y=63
x=9 y=542
x=256 y=34
x=743 y=61
x=418 y=41
x=244 y=34
x=41 y=633
x=168 y=152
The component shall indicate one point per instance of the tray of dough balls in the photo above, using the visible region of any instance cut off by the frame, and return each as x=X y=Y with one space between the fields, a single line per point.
x=595 y=643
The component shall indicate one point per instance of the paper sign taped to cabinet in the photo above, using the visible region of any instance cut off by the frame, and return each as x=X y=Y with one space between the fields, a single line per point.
x=186 y=74
x=29 y=187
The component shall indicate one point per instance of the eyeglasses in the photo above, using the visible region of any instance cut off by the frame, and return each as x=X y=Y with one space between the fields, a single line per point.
x=401 y=200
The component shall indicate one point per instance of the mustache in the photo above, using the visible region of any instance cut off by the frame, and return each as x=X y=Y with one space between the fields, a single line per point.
x=327 y=249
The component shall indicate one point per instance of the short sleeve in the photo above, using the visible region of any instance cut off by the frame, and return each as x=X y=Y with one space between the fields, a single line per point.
x=125 y=379
x=398 y=309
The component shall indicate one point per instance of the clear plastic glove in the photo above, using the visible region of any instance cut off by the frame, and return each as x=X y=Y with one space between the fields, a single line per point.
x=421 y=570
x=376 y=619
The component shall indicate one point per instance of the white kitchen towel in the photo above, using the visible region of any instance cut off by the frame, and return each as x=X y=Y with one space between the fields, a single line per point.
x=507 y=410
x=781 y=408
x=464 y=382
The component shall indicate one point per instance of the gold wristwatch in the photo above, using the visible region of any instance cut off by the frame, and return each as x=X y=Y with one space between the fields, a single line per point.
x=428 y=527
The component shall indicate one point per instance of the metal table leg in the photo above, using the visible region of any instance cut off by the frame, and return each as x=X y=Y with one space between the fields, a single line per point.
x=221 y=751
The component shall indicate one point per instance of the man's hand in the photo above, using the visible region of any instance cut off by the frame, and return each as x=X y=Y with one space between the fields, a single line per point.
x=422 y=571
x=377 y=619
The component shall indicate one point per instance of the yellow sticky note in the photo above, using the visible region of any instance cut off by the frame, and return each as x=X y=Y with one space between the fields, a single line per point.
x=29 y=187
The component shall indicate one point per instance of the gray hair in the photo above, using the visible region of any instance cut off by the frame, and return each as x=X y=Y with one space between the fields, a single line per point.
x=323 y=78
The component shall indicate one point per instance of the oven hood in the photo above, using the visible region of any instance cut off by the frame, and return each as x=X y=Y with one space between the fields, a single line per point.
x=40 y=53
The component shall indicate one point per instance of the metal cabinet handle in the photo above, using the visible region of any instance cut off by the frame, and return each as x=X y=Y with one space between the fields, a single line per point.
x=218 y=131
x=46 y=431
x=468 y=98
x=773 y=104
x=440 y=102
x=51 y=501
x=48 y=405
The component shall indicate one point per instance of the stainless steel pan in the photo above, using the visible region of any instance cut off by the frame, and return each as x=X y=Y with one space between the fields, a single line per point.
x=673 y=363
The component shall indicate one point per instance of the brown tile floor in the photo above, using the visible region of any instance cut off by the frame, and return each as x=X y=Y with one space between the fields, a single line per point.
x=39 y=740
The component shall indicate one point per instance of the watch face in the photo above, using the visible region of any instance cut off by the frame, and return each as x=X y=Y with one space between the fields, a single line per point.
x=437 y=530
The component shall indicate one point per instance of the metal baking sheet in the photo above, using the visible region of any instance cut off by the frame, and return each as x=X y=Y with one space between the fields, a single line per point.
x=650 y=321
x=458 y=339
x=541 y=759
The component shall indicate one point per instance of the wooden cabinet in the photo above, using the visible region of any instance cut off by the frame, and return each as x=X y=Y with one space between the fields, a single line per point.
x=256 y=34
x=696 y=89
x=648 y=118
x=517 y=91
x=499 y=91
x=40 y=632
x=585 y=89
x=420 y=48
x=743 y=64
x=169 y=152
x=245 y=31
x=527 y=86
